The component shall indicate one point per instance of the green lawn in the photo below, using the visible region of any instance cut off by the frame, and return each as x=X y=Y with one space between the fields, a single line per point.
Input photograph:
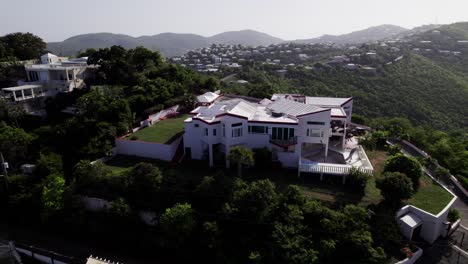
x=122 y=164
x=377 y=159
x=161 y=132
x=431 y=197
x=193 y=170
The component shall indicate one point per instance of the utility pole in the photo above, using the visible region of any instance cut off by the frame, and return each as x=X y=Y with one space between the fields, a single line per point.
x=4 y=170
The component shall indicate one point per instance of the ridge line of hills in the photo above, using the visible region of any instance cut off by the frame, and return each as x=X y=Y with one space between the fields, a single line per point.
x=174 y=44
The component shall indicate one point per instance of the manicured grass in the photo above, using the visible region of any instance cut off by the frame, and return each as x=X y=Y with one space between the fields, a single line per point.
x=161 y=132
x=430 y=197
x=121 y=164
x=193 y=170
x=330 y=190
x=377 y=159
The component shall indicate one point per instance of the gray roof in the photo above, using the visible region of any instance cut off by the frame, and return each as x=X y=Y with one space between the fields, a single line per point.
x=327 y=101
x=293 y=108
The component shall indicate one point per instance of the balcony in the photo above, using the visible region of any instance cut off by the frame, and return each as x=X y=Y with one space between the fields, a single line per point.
x=284 y=142
x=331 y=168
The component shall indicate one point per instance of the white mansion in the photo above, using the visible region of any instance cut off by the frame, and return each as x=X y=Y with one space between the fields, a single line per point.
x=309 y=133
x=54 y=74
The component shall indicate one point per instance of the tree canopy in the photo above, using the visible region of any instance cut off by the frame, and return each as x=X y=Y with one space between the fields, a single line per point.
x=407 y=165
x=241 y=156
x=395 y=187
x=21 y=46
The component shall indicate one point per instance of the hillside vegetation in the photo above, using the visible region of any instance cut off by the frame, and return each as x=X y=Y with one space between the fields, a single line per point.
x=414 y=88
x=447 y=48
x=361 y=36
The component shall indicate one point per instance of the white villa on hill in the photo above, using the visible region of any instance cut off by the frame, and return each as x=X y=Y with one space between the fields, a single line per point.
x=53 y=75
x=309 y=133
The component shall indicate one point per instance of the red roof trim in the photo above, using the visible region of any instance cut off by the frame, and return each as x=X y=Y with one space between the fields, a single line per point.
x=271 y=122
x=212 y=123
x=229 y=114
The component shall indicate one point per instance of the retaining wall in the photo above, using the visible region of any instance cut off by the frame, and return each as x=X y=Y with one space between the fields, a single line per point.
x=147 y=149
x=413 y=259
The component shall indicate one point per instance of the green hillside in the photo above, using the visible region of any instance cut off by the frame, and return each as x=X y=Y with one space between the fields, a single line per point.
x=446 y=46
x=414 y=87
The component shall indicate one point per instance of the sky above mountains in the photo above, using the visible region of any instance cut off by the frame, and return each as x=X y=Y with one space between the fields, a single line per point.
x=56 y=20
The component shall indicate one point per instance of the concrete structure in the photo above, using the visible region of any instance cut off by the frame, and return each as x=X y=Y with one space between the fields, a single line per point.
x=23 y=92
x=145 y=149
x=54 y=74
x=414 y=221
x=300 y=131
x=57 y=74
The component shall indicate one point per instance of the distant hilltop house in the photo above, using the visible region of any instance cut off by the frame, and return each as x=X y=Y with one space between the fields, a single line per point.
x=207 y=98
x=53 y=75
x=311 y=134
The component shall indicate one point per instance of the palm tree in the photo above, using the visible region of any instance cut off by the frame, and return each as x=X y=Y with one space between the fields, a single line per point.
x=241 y=156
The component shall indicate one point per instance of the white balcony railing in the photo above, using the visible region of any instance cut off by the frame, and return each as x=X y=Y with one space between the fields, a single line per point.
x=330 y=168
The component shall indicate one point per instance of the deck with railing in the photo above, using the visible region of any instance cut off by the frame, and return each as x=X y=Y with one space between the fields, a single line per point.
x=330 y=168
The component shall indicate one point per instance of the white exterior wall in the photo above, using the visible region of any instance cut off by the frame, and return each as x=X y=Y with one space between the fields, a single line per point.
x=317 y=117
x=433 y=226
x=288 y=159
x=147 y=149
x=258 y=140
x=43 y=76
x=193 y=137
x=349 y=111
x=197 y=141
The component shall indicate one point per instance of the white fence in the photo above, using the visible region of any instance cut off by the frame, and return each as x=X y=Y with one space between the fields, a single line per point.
x=330 y=168
x=147 y=149
x=154 y=118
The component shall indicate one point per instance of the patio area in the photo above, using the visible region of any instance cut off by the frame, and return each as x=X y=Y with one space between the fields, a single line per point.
x=339 y=161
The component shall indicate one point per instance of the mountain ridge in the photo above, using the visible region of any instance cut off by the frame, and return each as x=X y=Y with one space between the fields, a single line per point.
x=175 y=44
x=170 y=44
x=360 y=36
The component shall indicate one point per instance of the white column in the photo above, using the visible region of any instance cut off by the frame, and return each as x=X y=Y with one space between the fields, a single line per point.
x=299 y=149
x=32 y=92
x=326 y=148
x=66 y=73
x=344 y=136
x=22 y=94
x=210 y=154
x=14 y=95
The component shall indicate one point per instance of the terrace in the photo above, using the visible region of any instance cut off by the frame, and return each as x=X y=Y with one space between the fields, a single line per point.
x=164 y=131
x=338 y=161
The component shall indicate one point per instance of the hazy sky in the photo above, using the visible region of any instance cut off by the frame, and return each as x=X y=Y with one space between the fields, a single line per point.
x=56 y=20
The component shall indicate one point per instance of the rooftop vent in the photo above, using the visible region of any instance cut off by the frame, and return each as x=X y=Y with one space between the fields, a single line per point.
x=277 y=114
